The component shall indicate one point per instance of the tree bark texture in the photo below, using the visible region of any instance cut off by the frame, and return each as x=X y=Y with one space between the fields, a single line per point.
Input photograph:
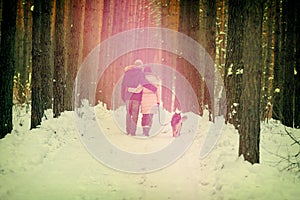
x=289 y=84
x=234 y=62
x=249 y=129
x=8 y=30
x=59 y=87
x=42 y=71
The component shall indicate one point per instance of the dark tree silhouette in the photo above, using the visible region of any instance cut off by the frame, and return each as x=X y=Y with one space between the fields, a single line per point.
x=297 y=68
x=42 y=71
x=59 y=89
x=279 y=52
x=8 y=29
x=234 y=64
x=288 y=83
x=249 y=129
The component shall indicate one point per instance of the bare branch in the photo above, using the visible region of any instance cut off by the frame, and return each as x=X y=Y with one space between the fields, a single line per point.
x=292 y=137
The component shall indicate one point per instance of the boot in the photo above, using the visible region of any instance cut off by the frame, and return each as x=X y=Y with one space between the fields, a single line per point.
x=146 y=130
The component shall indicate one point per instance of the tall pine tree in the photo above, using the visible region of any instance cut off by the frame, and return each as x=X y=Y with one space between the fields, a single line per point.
x=8 y=30
x=249 y=129
x=234 y=62
x=59 y=81
x=41 y=98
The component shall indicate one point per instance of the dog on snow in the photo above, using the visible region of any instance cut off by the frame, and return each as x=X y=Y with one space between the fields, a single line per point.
x=176 y=122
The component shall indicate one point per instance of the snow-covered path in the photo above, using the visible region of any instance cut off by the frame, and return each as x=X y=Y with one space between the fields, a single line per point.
x=50 y=162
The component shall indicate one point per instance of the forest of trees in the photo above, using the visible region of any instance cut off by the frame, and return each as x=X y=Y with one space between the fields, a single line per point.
x=254 y=44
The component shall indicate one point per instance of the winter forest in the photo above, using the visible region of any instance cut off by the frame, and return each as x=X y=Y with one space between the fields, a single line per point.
x=231 y=66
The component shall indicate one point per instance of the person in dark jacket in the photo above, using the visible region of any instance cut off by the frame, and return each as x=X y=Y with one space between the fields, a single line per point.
x=133 y=79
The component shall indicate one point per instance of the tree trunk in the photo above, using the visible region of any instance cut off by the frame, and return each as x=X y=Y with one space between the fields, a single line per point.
x=91 y=38
x=20 y=70
x=297 y=68
x=189 y=25
x=234 y=63
x=91 y=26
x=37 y=108
x=210 y=36
x=75 y=24
x=220 y=61
x=46 y=67
x=251 y=88
x=41 y=61
x=169 y=19
x=105 y=33
x=268 y=52
x=27 y=45
x=111 y=23
x=59 y=81
x=8 y=30
x=23 y=52
x=277 y=111
x=288 y=84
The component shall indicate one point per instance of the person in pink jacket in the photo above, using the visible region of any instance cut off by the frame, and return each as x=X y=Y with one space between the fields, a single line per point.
x=150 y=101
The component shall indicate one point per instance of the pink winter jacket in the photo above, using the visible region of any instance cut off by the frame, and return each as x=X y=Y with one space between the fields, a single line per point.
x=150 y=98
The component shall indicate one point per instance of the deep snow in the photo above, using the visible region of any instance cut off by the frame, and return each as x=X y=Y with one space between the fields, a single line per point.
x=50 y=162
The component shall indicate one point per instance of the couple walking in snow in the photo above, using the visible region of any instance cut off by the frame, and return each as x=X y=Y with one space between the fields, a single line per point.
x=141 y=92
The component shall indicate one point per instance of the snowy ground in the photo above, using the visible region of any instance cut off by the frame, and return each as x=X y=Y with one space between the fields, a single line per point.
x=51 y=162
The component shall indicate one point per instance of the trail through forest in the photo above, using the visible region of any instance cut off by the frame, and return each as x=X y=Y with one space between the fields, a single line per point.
x=50 y=162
